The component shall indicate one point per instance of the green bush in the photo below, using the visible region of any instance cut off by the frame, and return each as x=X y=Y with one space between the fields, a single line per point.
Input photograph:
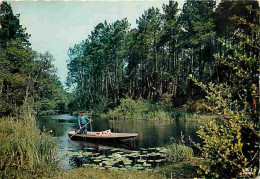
x=140 y=109
x=25 y=152
x=196 y=106
x=231 y=143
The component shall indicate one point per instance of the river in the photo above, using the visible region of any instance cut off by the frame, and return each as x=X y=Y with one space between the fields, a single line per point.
x=151 y=133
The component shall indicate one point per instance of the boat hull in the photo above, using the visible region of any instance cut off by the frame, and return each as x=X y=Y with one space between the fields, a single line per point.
x=93 y=136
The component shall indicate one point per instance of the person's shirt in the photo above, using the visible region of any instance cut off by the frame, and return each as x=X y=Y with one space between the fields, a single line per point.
x=82 y=120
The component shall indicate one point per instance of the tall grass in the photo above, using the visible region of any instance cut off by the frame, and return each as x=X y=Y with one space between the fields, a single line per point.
x=179 y=152
x=25 y=151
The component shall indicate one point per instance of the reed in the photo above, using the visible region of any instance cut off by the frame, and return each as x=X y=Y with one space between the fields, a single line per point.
x=179 y=152
x=25 y=151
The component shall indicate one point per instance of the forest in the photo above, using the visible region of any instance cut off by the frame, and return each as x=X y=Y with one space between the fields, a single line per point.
x=26 y=76
x=178 y=59
x=157 y=58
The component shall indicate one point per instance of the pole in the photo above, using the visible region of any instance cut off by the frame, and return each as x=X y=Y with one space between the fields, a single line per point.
x=79 y=130
x=90 y=121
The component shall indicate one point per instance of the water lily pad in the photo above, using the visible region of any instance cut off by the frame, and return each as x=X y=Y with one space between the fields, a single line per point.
x=137 y=165
x=80 y=156
x=163 y=150
x=128 y=166
x=95 y=154
x=164 y=160
x=141 y=161
x=127 y=163
x=87 y=153
x=76 y=153
x=135 y=151
x=147 y=165
x=101 y=157
x=115 y=150
x=97 y=161
x=105 y=159
x=164 y=155
x=140 y=168
x=151 y=149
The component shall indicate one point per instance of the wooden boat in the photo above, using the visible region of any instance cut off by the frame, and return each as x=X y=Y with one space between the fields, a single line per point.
x=95 y=136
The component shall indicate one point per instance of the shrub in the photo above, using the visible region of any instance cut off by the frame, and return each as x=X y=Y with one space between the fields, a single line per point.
x=129 y=108
x=196 y=106
x=140 y=109
x=231 y=143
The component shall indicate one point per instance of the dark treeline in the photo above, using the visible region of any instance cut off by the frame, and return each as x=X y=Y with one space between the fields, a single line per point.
x=158 y=56
x=26 y=77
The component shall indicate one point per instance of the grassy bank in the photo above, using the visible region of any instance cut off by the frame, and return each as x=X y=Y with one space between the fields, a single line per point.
x=148 y=110
x=184 y=169
x=25 y=152
x=87 y=172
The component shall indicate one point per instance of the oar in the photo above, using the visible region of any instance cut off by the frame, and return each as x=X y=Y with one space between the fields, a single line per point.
x=79 y=130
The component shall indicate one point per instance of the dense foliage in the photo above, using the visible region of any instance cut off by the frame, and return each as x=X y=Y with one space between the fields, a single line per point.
x=143 y=109
x=231 y=144
x=156 y=58
x=25 y=75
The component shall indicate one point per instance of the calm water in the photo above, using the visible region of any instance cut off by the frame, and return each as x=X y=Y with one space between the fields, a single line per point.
x=151 y=133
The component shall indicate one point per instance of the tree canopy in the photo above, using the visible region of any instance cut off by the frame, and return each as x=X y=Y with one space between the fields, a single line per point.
x=26 y=76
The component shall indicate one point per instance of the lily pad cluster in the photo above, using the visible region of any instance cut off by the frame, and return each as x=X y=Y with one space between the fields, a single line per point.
x=115 y=159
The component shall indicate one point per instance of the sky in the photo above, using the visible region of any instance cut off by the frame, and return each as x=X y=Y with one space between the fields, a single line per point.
x=57 y=25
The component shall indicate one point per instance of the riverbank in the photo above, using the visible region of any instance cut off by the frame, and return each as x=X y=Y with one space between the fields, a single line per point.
x=184 y=169
x=162 y=110
x=87 y=172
